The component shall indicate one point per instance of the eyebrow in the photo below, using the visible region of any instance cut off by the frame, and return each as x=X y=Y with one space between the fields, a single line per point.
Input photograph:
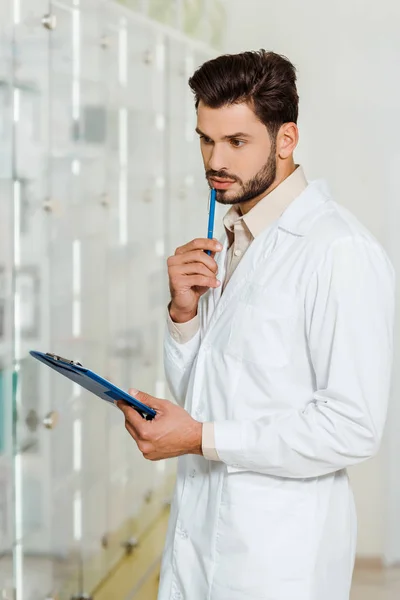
x=227 y=137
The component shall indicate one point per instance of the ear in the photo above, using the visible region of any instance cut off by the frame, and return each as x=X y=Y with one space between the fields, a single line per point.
x=287 y=140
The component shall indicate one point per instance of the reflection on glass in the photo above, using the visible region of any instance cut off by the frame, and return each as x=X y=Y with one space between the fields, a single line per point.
x=99 y=178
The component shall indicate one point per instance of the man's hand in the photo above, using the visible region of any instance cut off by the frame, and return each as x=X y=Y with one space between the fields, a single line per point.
x=191 y=274
x=172 y=432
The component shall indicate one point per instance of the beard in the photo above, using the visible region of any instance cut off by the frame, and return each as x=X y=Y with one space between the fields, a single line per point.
x=256 y=186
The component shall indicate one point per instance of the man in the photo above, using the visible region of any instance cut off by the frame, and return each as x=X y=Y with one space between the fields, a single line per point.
x=278 y=350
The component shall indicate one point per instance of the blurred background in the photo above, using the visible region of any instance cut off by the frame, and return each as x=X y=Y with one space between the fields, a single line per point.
x=100 y=180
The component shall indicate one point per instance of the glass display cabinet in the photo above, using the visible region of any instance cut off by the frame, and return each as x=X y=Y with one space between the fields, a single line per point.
x=100 y=179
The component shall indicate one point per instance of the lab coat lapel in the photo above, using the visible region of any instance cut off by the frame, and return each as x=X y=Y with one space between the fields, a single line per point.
x=260 y=248
x=221 y=262
x=296 y=220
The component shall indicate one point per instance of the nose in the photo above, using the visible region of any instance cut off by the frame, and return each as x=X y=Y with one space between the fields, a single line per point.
x=217 y=161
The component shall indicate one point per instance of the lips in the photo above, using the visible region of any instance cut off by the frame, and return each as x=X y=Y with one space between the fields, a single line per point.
x=221 y=184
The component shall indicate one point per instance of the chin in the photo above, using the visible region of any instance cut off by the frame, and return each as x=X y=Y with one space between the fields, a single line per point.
x=227 y=197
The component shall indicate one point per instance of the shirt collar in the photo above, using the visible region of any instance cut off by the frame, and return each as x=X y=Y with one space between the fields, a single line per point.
x=269 y=208
x=299 y=217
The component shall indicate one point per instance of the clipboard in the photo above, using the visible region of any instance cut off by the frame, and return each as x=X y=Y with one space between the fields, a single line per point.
x=92 y=382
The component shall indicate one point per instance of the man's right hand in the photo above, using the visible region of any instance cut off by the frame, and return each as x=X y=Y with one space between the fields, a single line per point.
x=191 y=273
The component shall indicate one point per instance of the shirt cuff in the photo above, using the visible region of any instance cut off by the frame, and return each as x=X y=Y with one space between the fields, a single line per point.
x=183 y=332
x=208 y=442
x=228 y=440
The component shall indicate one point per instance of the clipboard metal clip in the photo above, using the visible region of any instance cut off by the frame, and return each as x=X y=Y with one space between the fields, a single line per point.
x=66 y=360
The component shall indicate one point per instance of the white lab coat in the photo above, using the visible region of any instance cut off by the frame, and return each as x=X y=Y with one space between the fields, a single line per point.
x=293 y=365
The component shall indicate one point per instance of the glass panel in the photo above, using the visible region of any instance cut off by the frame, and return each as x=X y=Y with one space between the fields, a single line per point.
x=102 y=122
x=213 y=23
x=6 y=305
x=33 y=552
x=194 y=22
x=136 y=5
x=165 y=12
x=113 y=476
x=64 y=315
x=188 y=189
x=146 y=260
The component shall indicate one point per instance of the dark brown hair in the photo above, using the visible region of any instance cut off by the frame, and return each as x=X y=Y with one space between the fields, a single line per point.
x=265 y=80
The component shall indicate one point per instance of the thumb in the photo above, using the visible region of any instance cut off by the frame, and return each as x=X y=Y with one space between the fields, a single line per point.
x=142 y=396
x=151 y=401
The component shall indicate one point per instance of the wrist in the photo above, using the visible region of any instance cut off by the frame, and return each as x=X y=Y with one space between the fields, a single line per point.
x=179 y=316
x=196 y=439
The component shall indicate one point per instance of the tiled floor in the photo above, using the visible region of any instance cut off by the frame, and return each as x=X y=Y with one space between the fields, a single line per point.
x=367 y=585
x=376 y=584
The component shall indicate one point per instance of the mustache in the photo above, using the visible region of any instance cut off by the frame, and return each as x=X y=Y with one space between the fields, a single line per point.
x=221 y=175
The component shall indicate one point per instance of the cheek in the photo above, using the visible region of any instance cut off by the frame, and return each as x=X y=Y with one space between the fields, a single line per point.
x=252 y=162
x=205 y=153
x=243 y=165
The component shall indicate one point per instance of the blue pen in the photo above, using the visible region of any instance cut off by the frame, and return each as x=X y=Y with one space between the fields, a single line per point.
x=211 y=218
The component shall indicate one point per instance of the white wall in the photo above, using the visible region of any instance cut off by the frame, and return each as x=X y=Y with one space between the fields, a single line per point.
x=348 y=54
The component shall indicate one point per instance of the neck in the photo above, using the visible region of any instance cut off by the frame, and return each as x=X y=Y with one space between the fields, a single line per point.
x=284 y=169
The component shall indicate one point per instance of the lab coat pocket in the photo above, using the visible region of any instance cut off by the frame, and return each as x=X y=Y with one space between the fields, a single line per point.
x=265 y=538
x=262 y=327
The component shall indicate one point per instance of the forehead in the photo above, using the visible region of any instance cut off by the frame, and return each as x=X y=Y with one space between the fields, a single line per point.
x=228 y=119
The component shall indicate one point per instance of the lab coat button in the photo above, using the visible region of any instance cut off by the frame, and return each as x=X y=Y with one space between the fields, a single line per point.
x=238 y=253
x=177 y=596
x=193 y=474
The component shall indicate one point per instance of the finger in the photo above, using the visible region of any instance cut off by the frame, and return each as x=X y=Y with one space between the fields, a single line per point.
x=124 y=407
x=121 y=404
x=153 y=457
x=201 y=281
x=131 y=416
x=200 y=244
x=158 y=404
x=145 y=446
x=195 y=256
x=208 y=266
x=132 y=432
x=142 y=397
x=136 y=420
x=191 y=269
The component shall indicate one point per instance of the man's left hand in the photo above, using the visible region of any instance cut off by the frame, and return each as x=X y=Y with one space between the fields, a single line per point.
x=172 y=432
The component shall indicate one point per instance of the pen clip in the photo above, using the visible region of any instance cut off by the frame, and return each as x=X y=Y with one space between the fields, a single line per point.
x=209 y=202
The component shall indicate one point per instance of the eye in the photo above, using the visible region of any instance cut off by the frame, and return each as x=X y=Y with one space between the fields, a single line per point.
x=237 y=143
x=205 y=139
